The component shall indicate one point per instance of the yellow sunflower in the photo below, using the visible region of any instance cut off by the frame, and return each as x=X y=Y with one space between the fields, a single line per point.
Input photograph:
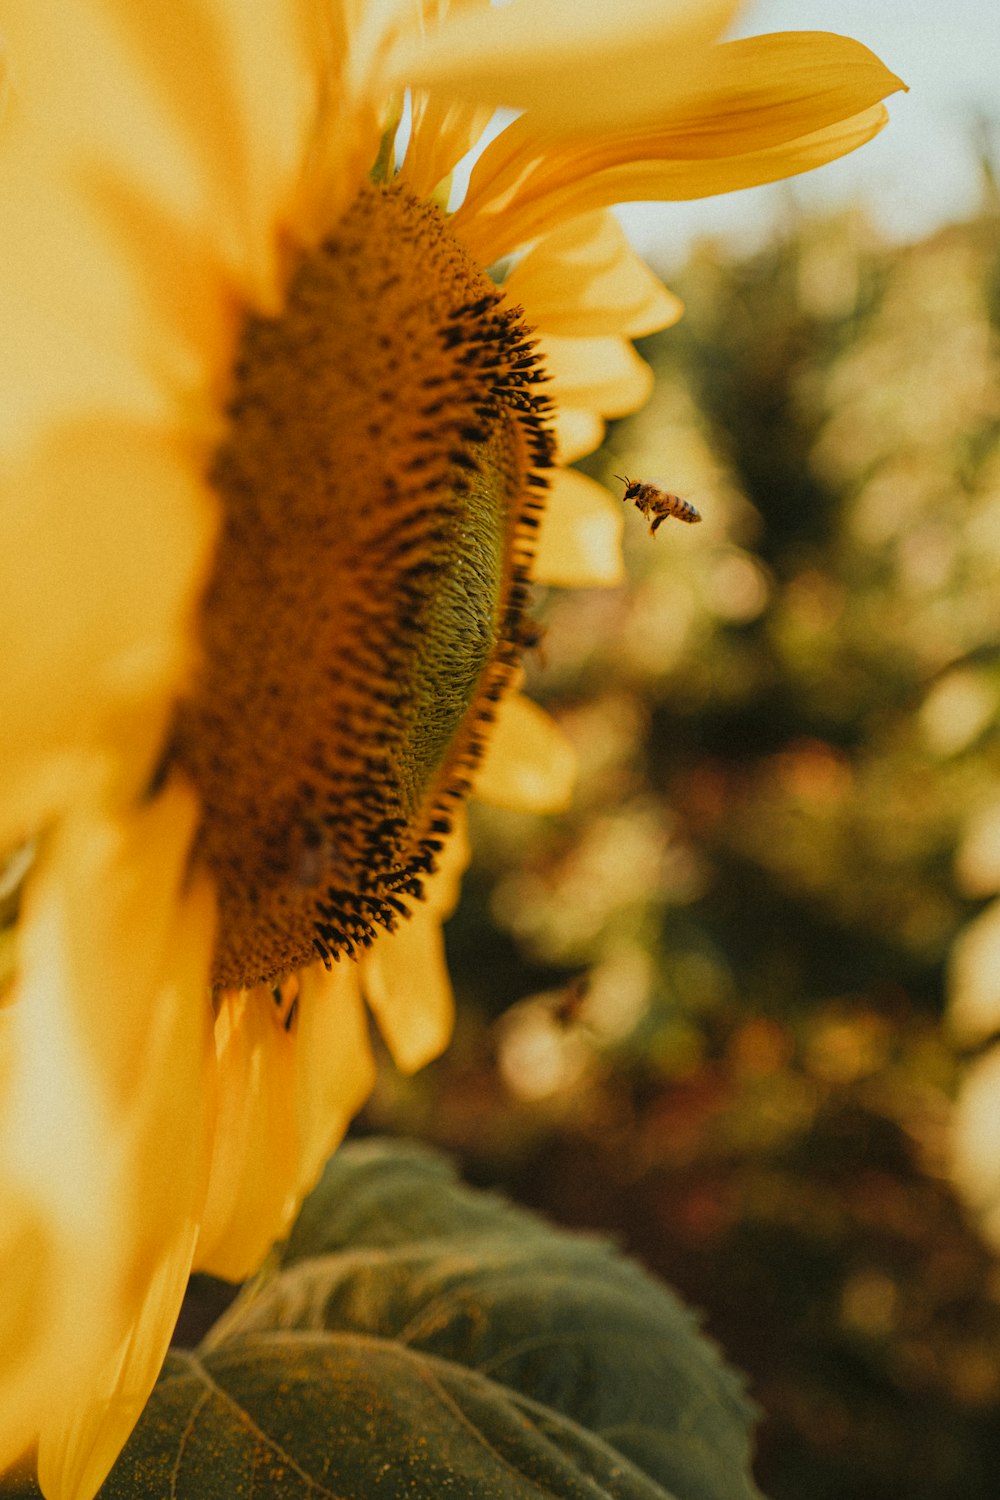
x=281 y=456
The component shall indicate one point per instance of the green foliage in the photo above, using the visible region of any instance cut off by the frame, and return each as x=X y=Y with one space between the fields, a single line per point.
x=391 y=1246
x=420 y=1340
x=305 y=1414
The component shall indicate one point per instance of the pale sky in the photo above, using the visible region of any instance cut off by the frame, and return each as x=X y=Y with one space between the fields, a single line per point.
x=919 y=173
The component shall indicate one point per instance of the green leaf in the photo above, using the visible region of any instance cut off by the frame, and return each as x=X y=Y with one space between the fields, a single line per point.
x=392 y=1245
x=340 y=1415
x=381 y=1193
x=421 y=1341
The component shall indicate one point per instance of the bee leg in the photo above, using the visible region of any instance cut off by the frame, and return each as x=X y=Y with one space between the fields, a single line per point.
x=657 y=521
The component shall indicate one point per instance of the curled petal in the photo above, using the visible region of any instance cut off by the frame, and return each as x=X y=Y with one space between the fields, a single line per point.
x=494 y=222
x=529 y=765
x=585 y=280
x=718 y=118
x=407 y=986
x=442 y=129
x=603 y=375
x=580 y=542
x=405 y=974
x=576 y=432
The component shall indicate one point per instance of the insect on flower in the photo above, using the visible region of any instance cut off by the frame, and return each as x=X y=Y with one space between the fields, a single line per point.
x=656 y=505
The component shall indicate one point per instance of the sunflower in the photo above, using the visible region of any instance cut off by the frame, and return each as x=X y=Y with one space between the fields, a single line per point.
x=285 y=429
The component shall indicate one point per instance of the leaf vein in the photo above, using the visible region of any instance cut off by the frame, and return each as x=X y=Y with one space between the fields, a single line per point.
x=446 y=1399
x=184 y=1439
x=244 y=1417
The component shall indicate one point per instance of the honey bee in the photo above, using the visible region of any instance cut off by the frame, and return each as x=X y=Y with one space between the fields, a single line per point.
x=656 y=505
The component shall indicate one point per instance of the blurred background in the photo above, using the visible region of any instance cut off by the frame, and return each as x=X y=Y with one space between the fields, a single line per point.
x=705 y=1010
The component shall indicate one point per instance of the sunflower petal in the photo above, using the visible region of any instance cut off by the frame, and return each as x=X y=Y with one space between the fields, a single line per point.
x=334 y=1063
x=254 y=1143
x=405 y=974
x=752 y=91
x=442 y=890
x=74 y=99
x=75 y=1458
x=529 y=764
x=108 y=585
x=565 y=58
x=749 y=112
x=57 y=309
x=80 y=135
x=110 y=1031
x=407 y=986
x=580 y=541
x=576 y=432
x=604 y=375
x=289 y=1083
x=585 y=280
x=240 y=116
x=493 y=223
x=443 y=131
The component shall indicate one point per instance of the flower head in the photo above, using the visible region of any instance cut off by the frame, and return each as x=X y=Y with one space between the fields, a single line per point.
x=282 y=453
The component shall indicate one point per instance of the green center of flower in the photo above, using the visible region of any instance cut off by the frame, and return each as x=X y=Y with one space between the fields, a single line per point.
x=380 y=484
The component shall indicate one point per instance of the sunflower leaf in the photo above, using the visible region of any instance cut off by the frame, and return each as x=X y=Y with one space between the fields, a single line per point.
x=294 y=1415
x=379 y=1193
x=393 y=1247
x=419 y=1340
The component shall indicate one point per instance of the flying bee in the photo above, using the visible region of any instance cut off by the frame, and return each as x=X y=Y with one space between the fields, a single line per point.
x=656 y=505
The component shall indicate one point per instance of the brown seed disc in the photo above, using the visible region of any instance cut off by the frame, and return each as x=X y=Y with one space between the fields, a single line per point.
x=380 y=485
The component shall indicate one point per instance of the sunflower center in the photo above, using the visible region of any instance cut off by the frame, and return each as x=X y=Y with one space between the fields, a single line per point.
x=379 y=487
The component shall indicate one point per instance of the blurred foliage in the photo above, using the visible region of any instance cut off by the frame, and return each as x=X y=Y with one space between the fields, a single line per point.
x=728 y=959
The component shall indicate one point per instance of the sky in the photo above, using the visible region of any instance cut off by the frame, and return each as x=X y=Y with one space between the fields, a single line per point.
x=919 y=173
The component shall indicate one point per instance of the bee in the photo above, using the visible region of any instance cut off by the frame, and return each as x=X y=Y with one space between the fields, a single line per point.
x=656 y=505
